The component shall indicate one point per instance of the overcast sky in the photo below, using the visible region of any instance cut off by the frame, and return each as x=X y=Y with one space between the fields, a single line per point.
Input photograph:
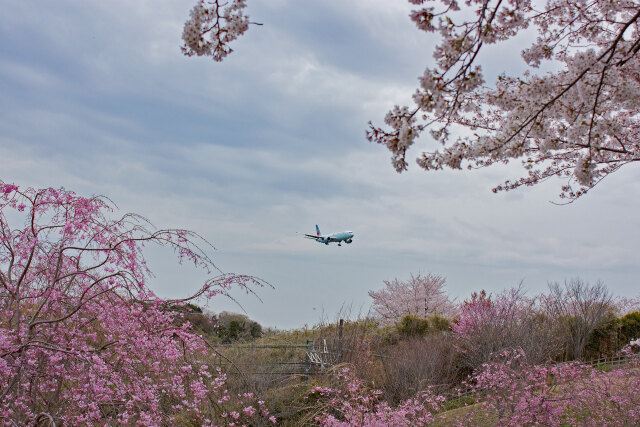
x=96 y=96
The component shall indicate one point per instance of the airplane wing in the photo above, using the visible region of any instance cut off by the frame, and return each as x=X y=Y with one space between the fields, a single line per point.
x=311 y=236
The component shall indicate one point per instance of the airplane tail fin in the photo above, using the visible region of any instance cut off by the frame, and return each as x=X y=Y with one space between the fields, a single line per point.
x=317 y=230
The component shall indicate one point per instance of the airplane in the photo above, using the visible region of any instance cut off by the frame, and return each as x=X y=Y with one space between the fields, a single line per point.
x=345 y=236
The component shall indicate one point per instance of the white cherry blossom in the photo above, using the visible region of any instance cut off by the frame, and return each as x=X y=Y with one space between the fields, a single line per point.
x=580 y=123
x=211 y=26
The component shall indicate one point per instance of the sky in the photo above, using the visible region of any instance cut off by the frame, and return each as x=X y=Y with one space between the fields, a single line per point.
x=252 y=152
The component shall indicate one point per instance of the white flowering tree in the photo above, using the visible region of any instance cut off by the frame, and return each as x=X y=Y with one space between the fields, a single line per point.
x=579 y=122
x=421 y=296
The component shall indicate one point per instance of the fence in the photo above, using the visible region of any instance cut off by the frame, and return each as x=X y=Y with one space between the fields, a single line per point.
x=277 y=359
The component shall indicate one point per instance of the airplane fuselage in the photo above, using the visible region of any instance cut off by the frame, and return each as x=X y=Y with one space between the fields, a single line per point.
x=345 y=236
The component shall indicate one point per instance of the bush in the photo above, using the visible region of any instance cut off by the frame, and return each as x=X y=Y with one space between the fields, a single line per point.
x=630 y=327
x=413 y=364
x=232 y=327
x=603 y=341
x=411 y=325
x=439 y=324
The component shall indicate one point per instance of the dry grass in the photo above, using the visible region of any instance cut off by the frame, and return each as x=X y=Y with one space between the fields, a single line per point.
x=466 y=416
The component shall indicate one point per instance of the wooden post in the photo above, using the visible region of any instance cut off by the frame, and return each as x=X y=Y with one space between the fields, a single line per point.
x=340 y=329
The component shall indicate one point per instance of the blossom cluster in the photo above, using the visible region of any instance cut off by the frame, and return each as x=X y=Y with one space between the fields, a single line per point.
x=212 y=26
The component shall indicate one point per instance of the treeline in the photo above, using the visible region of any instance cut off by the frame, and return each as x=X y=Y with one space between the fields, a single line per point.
x=222 y=328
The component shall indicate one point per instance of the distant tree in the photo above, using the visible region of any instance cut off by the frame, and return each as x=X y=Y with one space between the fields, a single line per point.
x=83 y=339
x=582 y=306
x=630 y=327
x=232 y=327
x=419 y=296
x=412 y=325
x=624 y=305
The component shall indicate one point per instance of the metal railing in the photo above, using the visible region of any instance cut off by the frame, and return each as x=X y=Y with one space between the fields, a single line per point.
x=290 y=359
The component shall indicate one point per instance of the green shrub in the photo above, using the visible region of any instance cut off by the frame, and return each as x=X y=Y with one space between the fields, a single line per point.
x=630 y=327
x=603 y=341
x=411 y=325
x=439 y=324
x=231 y=327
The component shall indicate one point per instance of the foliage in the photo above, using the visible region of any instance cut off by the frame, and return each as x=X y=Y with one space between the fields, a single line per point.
x=419 y=296
x=520 y=393
x=439 y=324
x=630 y=327
x=231 y=327
x=411 y=325
x=604 y=340
x=83 y=340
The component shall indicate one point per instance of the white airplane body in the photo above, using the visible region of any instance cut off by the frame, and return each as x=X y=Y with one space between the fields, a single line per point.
x=344 y=236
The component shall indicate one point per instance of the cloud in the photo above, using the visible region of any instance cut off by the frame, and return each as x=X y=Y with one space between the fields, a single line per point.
x=260 y=148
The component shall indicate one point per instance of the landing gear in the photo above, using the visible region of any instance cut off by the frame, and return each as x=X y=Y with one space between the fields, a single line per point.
x=339 y=244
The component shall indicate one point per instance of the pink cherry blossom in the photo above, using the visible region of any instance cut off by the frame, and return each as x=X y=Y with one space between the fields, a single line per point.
x=83 y=339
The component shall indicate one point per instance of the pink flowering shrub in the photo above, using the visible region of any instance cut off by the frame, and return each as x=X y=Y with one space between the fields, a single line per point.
x=83 y=340
x=515 y=392
x=491 y=324
x=350 y=402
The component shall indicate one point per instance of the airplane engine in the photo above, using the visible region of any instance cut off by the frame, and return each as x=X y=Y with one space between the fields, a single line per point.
x=348 y=241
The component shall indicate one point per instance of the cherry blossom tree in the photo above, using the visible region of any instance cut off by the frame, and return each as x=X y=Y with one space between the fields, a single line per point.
x=83 y=339
x=420 y=296
x=578 y=122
